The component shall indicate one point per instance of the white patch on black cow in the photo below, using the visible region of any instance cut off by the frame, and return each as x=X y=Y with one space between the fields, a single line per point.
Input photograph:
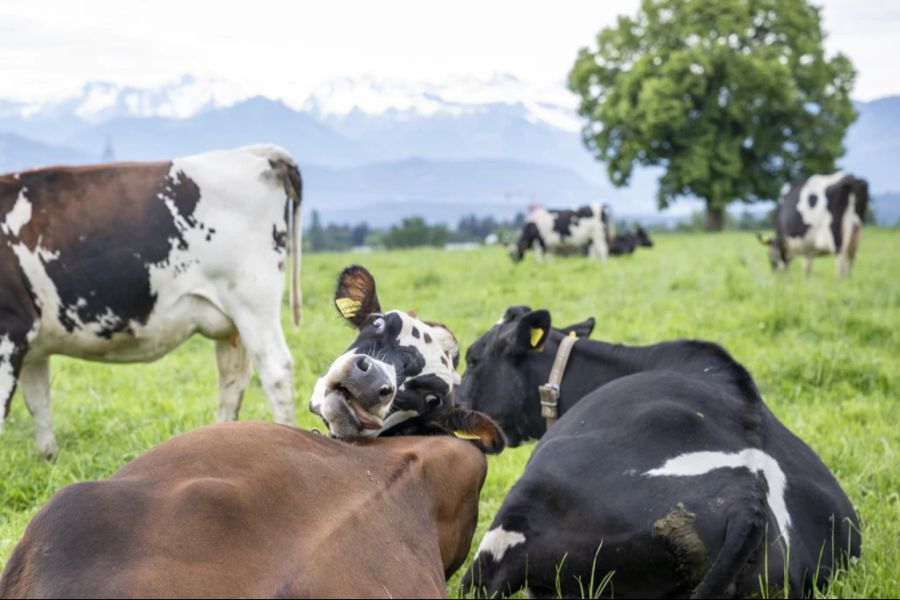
x=496 y=542
x=813 y=208
x=19 y=216
x=694 y=464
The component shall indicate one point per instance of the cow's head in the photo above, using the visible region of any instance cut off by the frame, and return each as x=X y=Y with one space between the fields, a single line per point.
x=506 y=365
x=517 y=251
x=776 y=260
x=398 y=368
x=643 y=238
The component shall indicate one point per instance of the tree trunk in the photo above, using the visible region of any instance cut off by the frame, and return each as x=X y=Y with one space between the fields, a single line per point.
x=715 y=218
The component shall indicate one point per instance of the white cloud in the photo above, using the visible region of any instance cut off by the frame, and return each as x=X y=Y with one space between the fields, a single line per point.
x=49 y=48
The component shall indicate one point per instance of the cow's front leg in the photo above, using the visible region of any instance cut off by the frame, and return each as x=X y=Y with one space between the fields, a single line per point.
x=234 y=373
x=538 y=251
x=599 y=248
x=809 y=263
x=10 y=365
x=35 y=381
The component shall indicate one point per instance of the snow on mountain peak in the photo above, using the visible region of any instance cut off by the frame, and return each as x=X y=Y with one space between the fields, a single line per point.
x=552 y=105
x=100 y=101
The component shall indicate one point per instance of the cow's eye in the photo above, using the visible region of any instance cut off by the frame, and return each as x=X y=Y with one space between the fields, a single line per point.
x=471 y=361
x=432 y=401
x=378 y=325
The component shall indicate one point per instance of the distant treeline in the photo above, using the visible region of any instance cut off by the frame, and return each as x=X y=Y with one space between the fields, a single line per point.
x=415 y=231
x=411 y=232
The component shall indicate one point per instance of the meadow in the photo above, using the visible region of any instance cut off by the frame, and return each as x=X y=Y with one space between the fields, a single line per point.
x=824 y=352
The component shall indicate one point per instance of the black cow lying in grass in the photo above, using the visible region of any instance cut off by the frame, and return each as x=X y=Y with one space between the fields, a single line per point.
x=627 y=242
x=666 y=470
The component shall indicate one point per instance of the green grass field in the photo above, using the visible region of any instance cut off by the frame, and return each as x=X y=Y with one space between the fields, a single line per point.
x=824 y=352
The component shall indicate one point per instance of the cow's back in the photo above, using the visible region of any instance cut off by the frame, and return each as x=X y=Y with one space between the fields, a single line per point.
x=238 y=509
x=128 y=259
x=652 y=457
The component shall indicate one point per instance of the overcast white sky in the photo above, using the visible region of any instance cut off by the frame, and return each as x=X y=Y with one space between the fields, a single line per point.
x=50 y=48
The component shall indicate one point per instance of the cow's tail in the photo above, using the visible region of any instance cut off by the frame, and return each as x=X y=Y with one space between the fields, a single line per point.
x=295 y=230
x=288 y=173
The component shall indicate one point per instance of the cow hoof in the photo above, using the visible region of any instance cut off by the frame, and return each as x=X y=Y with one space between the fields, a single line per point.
x=48 y=451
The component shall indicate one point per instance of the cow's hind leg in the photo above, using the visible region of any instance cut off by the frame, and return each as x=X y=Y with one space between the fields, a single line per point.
x=234 y=373
x=744 y=534
x=268 y=350
x=35 y=381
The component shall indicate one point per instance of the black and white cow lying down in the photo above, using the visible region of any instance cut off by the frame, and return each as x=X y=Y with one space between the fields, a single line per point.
x=121 y=262
x=587 y=229
x=822 y=214
x=399 y=368
x=626 y=243
x=666 y=468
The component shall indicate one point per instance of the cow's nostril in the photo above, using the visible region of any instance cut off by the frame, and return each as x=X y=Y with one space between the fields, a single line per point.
x=363 y=363
x=385 y=391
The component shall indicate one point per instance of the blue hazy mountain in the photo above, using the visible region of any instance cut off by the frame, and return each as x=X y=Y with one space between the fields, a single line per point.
x=18 y=153
x=373 y=151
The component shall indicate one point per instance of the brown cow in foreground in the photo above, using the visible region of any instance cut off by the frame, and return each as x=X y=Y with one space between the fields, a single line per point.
x=260 y=509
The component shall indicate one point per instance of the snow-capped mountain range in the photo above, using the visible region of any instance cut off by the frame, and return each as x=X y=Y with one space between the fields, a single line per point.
x=377 y=150
x=331 y=100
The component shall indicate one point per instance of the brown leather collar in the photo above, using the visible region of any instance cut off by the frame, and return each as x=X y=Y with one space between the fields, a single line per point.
x=549 y=392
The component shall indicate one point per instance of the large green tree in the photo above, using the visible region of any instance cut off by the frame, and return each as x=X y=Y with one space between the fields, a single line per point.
x=732 y=98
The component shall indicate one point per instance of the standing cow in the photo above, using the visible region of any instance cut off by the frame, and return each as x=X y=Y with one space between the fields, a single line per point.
x=822 y=214
x=122 y=262
x=588 y=228
x=666 y=468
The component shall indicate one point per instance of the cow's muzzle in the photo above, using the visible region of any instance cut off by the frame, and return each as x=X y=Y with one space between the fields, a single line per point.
x=354 y=396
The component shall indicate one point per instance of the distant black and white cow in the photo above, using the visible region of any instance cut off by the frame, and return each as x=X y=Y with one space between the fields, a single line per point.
x=122 y=262
x=588 y=229
x=666 y=469
x=626 y=243
x=822 y=214
x=398 y=369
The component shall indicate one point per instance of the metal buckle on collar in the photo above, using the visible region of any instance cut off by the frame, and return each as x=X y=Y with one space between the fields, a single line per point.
x=549 y=396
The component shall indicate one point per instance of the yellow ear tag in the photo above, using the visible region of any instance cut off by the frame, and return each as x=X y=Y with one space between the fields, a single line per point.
x=348 y=307
x=536 y=334
x=465 y=435
x=572 y=333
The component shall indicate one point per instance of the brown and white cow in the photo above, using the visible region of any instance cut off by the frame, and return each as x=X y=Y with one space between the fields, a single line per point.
x=264 y=510
x=122 y=262
x=822 y=214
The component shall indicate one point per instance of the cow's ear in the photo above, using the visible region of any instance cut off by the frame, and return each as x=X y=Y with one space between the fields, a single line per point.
x=355 y=296
x=475 y=427
x=513 y=312
x=582 y=330
x=532 y=330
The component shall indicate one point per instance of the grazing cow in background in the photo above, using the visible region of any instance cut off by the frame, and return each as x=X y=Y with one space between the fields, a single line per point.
x=822 y=214
x=587 y=228
x=666 y=469
x=264 y=510
x=626 y=243
x=398 y=368
x=121 y=262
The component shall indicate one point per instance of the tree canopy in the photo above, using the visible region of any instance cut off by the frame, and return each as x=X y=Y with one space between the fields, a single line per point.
x=732 y=98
